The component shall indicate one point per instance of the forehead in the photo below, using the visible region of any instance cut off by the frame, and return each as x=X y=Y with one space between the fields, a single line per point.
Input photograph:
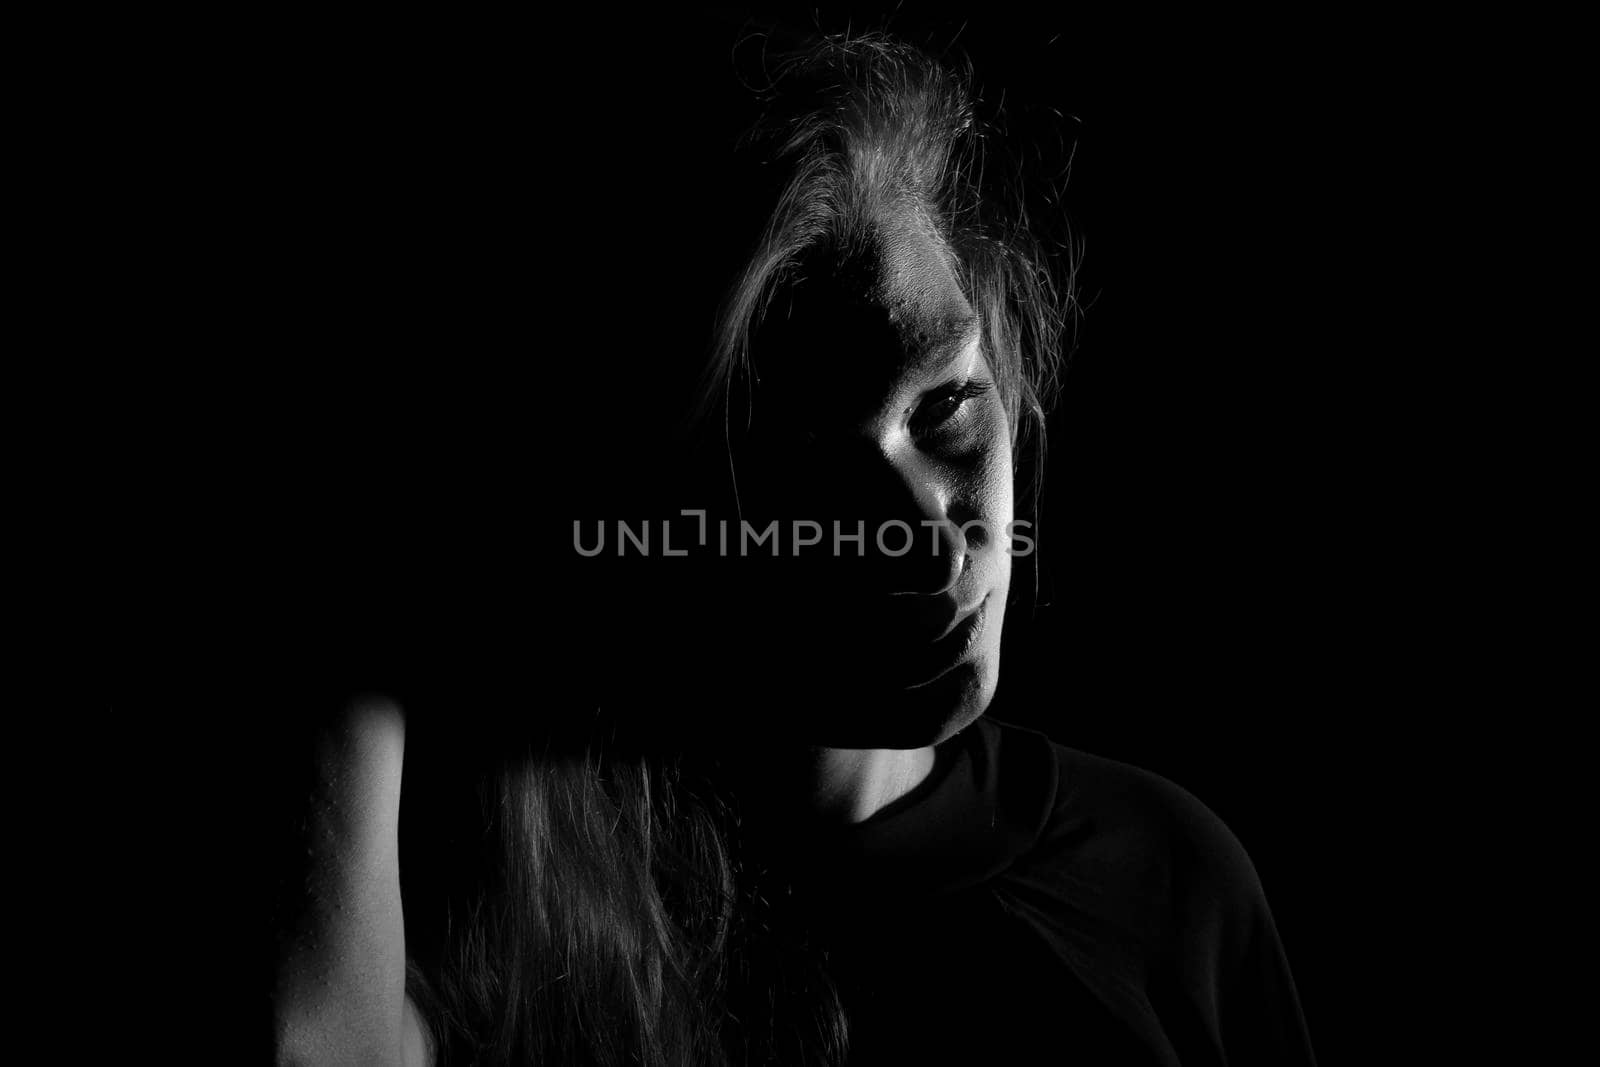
x=888 y=307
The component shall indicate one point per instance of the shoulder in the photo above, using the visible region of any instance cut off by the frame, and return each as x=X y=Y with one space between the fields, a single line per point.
x=1151 y=817
x=1141 y=840
x=1152 y=900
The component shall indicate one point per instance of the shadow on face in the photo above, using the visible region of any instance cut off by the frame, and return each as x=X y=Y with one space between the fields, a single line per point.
x=880 y=447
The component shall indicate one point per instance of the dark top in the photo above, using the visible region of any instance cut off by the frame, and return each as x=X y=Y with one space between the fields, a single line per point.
x=1030 y=903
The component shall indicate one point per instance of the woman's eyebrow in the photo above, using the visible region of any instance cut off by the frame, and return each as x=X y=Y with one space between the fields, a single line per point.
x=943 y=343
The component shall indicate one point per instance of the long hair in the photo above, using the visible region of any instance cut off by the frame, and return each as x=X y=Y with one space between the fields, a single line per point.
x=863 y=124
x=605 y=924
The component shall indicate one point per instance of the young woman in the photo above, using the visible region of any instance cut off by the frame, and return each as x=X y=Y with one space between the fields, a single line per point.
x=869 y=870
x=883 y=366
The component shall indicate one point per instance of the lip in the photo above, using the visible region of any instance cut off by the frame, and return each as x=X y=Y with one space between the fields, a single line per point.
x=952 y=648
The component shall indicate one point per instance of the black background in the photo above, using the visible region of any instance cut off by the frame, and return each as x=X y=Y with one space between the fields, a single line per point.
x=410 y=297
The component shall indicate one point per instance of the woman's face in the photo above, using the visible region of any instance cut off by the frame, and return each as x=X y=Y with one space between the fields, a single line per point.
x=875 y=413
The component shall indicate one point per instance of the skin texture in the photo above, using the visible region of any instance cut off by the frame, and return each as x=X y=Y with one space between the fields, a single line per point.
x=854 y=421
x=340 y=995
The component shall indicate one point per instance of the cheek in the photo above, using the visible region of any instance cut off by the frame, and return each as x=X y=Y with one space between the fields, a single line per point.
x=992 y=489
x=981 y=490
x=1001 y=476
x=991 y=492
x=999 y=516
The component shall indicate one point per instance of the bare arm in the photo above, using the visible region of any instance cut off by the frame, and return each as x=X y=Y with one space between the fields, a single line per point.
x=340 y=990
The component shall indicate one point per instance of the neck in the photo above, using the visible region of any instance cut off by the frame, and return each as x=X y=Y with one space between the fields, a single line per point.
x=851 y=785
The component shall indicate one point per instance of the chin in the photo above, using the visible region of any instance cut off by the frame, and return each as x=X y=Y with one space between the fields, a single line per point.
x=916 y=718
x=956 y=701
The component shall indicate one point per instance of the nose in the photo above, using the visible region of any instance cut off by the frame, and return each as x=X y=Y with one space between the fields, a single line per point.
x=914 y=544
x=938 y=553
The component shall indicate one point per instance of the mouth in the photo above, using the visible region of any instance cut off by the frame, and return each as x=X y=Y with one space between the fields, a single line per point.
x=952 y=649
